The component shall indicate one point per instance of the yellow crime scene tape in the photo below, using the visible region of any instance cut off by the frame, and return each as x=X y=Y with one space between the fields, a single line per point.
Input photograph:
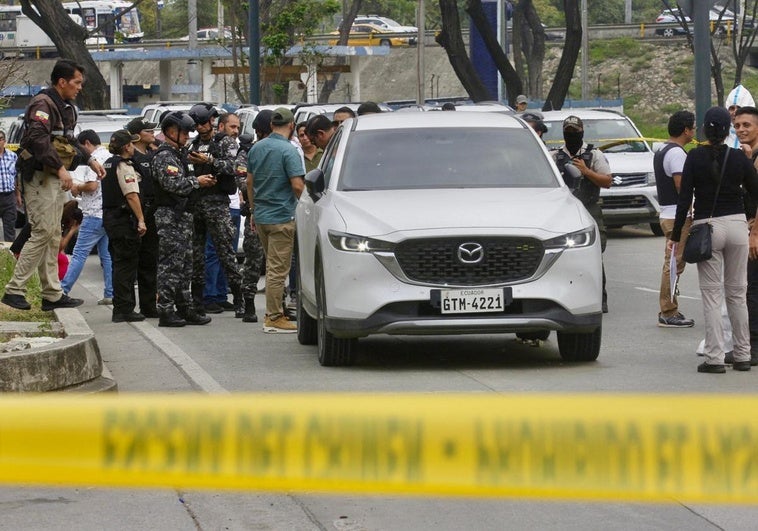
x=596 y=446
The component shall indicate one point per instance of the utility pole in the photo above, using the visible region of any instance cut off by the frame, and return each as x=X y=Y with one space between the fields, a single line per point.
x=193 y=73
x=702 y=38
x=254 y=41
x=628 y=12
x=420 y=16
x=585 y=52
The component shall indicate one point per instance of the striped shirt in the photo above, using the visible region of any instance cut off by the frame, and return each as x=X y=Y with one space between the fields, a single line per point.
x=8 y=171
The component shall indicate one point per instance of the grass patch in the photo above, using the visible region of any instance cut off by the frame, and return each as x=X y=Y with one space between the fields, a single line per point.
x=604 y=49
x=7 y=263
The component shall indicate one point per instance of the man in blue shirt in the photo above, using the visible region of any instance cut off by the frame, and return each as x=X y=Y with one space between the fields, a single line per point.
x=274 y=183
x=8 y=198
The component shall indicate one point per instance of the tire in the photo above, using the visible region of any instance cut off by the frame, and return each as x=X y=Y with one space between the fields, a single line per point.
x=579 y=346
x=307 y=332
x=656 y=228
x=385 y=42
x=541 y=335
x=332 y=351
x=669 y=32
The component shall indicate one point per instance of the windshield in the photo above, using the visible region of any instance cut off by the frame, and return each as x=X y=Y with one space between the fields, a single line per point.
x=445 y=158
x=612 y=135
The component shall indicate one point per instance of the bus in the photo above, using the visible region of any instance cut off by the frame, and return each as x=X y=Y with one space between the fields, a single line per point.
x=90 y=13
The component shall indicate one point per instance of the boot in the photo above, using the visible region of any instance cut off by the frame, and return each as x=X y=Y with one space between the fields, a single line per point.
x=249 y=315
x=239 y=302
x=171 y=319
x=196 y=318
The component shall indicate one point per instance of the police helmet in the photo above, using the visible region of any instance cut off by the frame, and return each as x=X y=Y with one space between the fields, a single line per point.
x=180 y=119
x=245 y=140
x=203 y=113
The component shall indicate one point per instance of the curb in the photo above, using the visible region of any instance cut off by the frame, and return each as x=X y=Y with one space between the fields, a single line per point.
x=73 y=364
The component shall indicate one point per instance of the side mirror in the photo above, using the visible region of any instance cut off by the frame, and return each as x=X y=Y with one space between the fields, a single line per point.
x=314 y=184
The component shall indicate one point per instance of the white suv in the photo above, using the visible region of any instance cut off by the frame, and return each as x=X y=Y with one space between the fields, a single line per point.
x=443 y=223
x=633 y=197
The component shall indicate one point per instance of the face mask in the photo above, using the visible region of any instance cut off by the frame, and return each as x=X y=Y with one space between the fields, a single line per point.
x=574 y=140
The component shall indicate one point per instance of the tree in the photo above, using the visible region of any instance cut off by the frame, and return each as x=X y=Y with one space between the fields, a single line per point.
x=529 y=40
x=743 y=42
x=565 y=71
x=69 y=39
x=348 y=16
x=450 y=38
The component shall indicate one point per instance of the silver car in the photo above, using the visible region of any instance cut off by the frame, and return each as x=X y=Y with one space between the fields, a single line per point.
x=443 y=223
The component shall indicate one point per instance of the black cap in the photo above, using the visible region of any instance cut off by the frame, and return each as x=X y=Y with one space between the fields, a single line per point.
x=139 y=124
x=119 y=139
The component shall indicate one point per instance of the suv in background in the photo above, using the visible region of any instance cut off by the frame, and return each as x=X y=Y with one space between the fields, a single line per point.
x=306 y=111
x=154 y=111
x=633 y=197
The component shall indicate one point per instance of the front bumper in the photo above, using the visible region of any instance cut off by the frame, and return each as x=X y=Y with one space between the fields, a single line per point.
x=630 y=205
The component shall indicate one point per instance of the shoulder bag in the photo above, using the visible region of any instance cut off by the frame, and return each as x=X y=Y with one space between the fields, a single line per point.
x=698 y=247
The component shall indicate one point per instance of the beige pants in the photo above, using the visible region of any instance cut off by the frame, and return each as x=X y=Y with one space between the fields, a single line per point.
x=277 y=241
x=670 y=308
x=724 y=276
x=44 y=206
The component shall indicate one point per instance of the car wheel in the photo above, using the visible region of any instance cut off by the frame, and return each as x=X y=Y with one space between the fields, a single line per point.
x=668 y=32
x=332 y=351
x=542 y=335
x=579 y=346
x=307 y=333
x=656 y=228
x=385 y=42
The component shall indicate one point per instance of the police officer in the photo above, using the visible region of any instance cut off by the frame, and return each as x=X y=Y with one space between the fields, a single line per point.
x=251 y=244
x=124 y=223
x=593 y=173
x=147 y=269
x=211 y=210
x=174 y=186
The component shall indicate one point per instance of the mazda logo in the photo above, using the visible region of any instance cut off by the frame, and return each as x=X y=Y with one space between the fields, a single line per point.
x=470 y=253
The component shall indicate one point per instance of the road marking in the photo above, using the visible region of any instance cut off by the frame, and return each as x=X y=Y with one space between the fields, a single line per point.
x=657 y=291
x=197 y=376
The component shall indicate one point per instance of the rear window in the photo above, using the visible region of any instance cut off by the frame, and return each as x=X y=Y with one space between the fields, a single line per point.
x=445 y=158
x=606 y=133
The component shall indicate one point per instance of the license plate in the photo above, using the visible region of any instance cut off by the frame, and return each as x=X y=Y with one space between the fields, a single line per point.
x=472 y=300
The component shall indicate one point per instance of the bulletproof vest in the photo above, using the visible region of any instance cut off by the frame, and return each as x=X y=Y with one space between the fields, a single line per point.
x=582 y=188
x=667 y=194
x=162 y=197
x=113 y=197
x=142 y=165
x=211 y=147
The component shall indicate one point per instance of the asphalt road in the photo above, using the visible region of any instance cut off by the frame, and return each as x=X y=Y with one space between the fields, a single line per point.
x=231 y=356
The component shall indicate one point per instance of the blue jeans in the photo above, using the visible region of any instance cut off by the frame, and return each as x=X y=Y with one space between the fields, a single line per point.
x=91 y=234
x=216 y=287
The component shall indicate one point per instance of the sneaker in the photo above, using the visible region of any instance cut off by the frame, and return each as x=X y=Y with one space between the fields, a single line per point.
x=127 y=317
x=711 y=369
x=64 y=302
x=105 y=301
x=213 y=308
x=16 y=301
x=675 y=321
x=741 y=365
x=282 y=325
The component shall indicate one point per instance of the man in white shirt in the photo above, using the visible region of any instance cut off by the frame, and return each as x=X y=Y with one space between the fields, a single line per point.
x=668 y=164
x=91 y=232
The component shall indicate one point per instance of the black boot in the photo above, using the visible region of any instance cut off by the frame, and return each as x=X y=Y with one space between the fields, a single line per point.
x=239 y=302
x=249 y=315
x=196 y=318
x=169 y=318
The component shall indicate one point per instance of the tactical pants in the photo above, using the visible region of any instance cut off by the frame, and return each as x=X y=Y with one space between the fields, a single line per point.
x=147 y=269
x=254 y=256
x=174 y=257
x=212 y=218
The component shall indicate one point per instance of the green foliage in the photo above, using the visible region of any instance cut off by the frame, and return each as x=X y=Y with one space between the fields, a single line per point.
x=602 y=49
x=174 y=17
x=298 y=18
x=600 y=11
x=7 y=263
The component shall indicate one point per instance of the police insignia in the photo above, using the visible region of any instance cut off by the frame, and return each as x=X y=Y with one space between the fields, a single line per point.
x=172 y=170
x=41 y=116
x=241 y=169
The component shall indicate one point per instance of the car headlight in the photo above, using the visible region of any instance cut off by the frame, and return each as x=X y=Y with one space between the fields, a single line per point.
x=357 y=244
x=650 y=178
x=572 y=240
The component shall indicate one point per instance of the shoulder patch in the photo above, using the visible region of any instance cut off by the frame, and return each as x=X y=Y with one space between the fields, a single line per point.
x=172 y=170
x=41 y=116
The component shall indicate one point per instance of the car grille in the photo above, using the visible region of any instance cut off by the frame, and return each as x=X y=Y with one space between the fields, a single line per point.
x=435 y=261
x=631 y=179
x=625 y=201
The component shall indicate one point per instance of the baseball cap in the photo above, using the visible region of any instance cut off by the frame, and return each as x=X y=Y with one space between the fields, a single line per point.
x=521 y=99
x=282 y=116
x=119 y=139
x=532 y=117
x=573 y=123
x=139 y=124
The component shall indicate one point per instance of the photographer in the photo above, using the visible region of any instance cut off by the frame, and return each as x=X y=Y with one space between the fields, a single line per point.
x=48 y=151
x=585 y=170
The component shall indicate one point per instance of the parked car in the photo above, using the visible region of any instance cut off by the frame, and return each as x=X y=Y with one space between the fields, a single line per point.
x=153 y=112
x=304 y=112
x=725 y=18
x=633 y=198
x=370 y=35
x=211 y=34
x=385 y=23
x=248 y=112
x=478 y=235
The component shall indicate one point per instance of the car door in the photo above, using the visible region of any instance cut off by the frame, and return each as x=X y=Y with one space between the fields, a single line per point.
x=309 y=213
